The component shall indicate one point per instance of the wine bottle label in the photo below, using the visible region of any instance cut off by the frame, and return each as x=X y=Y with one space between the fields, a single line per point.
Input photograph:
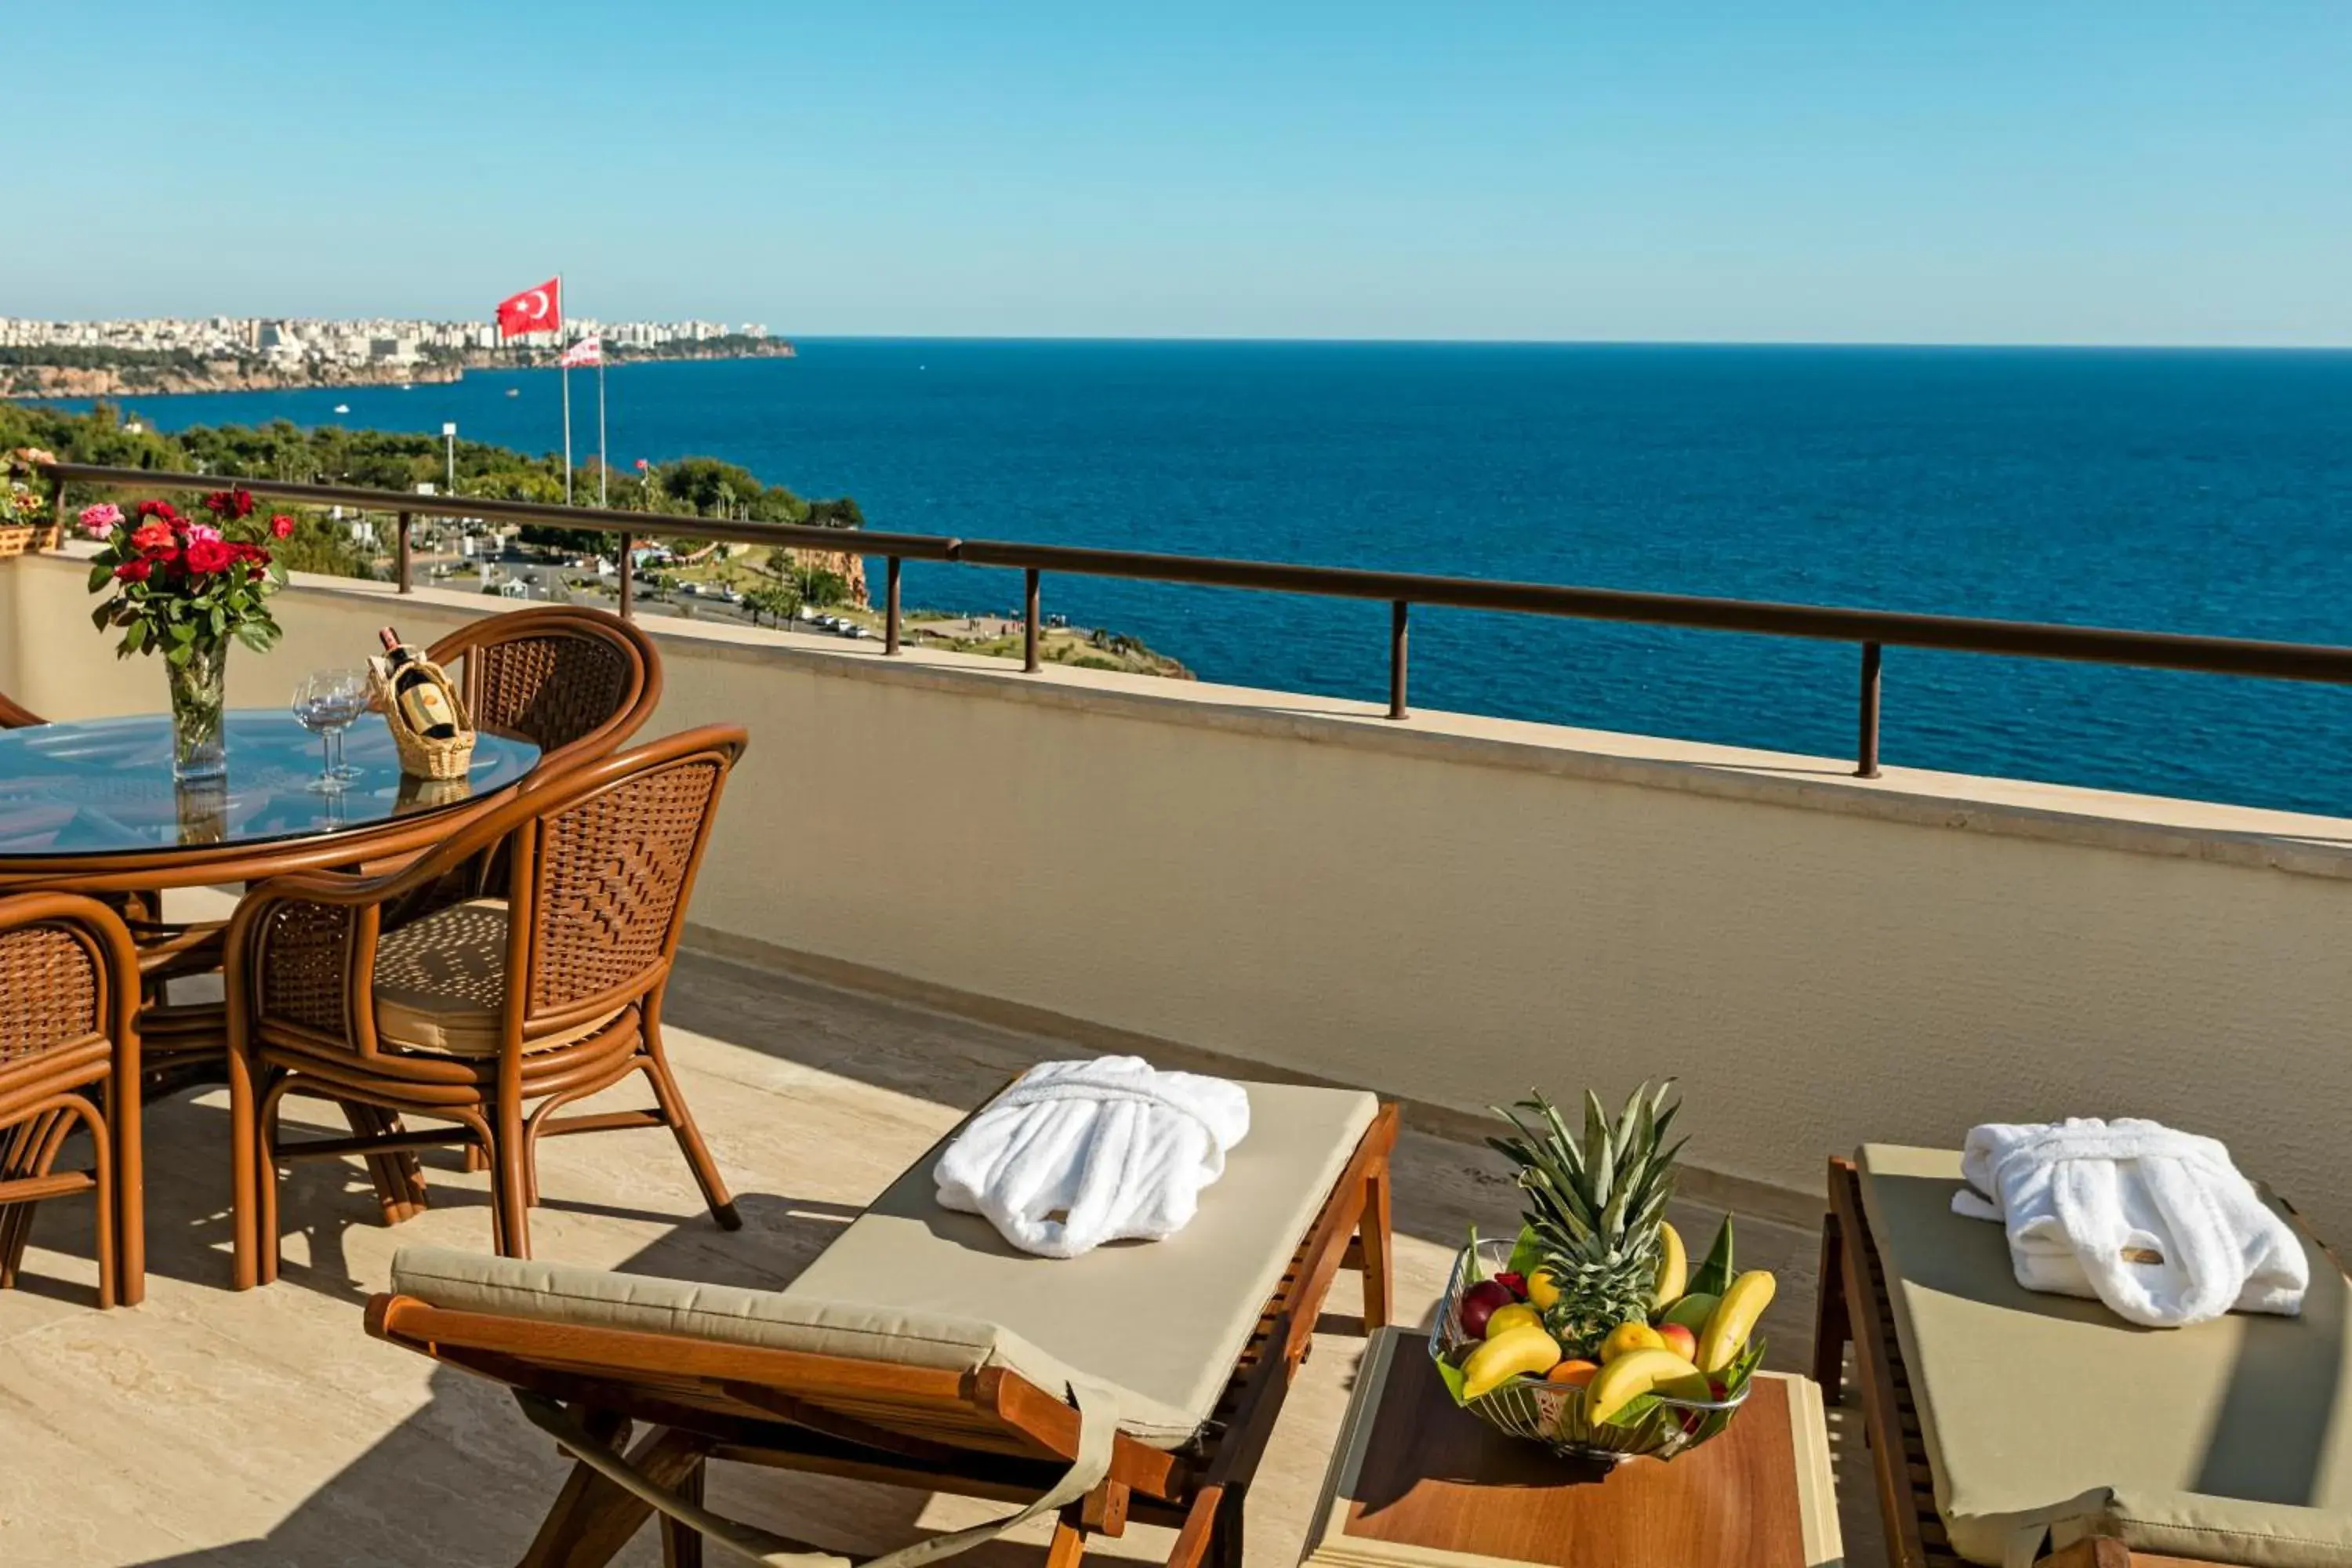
x=426 y=708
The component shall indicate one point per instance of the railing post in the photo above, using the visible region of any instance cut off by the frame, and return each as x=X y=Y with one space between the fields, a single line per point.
x=56 y=516
x=400 y=557
x=1400 y=615
x=1866 y=742
x=890 y=608
x=1029 y=632
x=628 y=574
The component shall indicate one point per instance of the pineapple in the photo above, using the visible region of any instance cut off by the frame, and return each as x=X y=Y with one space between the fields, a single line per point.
x=1593 y=1209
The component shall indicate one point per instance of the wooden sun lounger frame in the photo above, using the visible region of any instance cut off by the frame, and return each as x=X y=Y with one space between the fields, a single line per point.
x=989 y=1434
x=1853 y=1308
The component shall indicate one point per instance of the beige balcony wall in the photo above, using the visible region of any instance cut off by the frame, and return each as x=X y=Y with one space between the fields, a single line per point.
x=1453 y=910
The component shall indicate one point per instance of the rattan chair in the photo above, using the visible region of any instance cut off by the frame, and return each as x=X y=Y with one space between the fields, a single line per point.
x=391 y=994
x=575 y=682
x=69 y=1058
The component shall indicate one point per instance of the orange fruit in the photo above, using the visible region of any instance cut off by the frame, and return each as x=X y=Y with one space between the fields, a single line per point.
x=1626 y=1338
x=1575 y=1373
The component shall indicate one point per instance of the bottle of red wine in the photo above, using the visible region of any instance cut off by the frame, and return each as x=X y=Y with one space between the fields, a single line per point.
x=418 y=696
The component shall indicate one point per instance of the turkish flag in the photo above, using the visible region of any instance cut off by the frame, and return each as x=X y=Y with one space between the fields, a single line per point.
x=533 y=311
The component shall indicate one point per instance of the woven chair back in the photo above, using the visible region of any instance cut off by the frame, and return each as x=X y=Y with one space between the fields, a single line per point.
x=613 y=851
x=53 y=975
x=570 y=680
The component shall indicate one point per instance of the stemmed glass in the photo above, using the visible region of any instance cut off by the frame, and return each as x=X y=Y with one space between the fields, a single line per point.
x=327 y=703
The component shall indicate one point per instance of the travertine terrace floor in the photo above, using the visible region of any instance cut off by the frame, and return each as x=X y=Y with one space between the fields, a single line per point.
x=233 y=1431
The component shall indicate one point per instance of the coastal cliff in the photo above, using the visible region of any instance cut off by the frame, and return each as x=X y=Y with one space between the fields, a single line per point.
x=168 y=375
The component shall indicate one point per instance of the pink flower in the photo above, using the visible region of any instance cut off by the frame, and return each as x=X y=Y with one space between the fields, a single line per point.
x=99 y=521
x=203 y=533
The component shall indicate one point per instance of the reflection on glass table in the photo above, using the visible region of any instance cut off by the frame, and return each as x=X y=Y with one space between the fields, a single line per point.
x=104 y=786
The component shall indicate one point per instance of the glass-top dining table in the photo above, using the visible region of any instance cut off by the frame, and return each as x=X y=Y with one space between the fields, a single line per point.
x=92 y=805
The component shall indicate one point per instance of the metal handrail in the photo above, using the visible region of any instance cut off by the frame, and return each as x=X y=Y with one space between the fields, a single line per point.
x=1872 y=631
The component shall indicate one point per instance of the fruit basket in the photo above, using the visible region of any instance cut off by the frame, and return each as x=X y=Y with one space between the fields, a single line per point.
x=1589 y=1333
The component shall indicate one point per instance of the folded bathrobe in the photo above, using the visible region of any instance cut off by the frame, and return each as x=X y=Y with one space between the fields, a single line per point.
x=2157 y=1224
x=1077 y=1153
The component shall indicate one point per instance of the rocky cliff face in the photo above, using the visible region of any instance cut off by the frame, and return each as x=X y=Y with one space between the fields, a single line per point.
x=229 y=376
x=846 y=564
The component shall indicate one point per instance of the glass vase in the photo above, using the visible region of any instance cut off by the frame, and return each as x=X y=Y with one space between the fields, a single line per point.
x=199 y=697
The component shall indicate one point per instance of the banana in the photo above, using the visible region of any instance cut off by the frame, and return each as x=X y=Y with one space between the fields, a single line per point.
x=1734 y=1319
x=1629 y=1377
x=1526 y=1349
x=1674 y=1269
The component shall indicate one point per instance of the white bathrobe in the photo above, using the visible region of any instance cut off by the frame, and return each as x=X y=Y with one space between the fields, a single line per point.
x=2157 y=1224
x=1077 y=1153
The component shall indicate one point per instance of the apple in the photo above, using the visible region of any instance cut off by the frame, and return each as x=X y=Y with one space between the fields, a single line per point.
x=1679 y=1340
x=1478 y=1303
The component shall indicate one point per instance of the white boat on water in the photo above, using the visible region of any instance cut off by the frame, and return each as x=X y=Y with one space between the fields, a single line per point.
x=514 y=392
x=342 y=408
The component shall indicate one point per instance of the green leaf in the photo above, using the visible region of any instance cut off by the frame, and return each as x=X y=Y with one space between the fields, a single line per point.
x=1714 y=1276
x=1633 y=1411
x=181 y=653
x=182 y=634
x=1472 y=1271
x=100 y=576
x=1526 y=1253
x=1450 y=1375
x=136 y=637
x=101 y=616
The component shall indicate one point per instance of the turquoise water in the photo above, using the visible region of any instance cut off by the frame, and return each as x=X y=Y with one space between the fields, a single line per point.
x=2171 y=491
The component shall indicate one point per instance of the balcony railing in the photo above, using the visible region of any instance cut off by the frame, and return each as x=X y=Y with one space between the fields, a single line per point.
x=1871 y=631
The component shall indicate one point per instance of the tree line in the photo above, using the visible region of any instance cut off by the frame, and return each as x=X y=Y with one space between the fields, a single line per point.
x=394 y=460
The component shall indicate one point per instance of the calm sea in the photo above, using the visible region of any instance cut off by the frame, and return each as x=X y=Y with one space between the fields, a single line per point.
x=2172 y=490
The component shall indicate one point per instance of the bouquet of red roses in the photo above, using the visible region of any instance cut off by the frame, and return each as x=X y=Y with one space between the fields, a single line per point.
x=185 y=586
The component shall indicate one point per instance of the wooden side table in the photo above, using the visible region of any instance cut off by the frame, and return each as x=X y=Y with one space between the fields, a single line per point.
x=1418 y=1483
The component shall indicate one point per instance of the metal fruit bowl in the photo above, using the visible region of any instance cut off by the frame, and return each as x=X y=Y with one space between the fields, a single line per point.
x=1553 y=1414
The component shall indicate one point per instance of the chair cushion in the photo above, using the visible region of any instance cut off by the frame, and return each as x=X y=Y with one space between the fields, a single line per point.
x=2223 y=1441
x=1165 y=1318
x=566 y=1293
x=441 y=984
x=1157 y=1325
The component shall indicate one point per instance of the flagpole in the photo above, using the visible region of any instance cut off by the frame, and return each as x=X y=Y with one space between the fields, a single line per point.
x=565 y=372
x=603 y=467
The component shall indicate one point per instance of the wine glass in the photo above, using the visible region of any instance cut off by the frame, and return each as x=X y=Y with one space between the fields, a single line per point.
x=350 y=688
x=325 y=704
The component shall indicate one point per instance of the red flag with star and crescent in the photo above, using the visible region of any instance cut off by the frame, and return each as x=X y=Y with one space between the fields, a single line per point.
x=533 y=311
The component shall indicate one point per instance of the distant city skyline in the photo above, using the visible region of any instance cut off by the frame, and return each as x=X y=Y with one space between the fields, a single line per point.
x=2006 y=172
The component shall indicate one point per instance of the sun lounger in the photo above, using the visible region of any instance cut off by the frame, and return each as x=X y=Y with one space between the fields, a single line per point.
x=2013 y=1428
x=1138 y=1382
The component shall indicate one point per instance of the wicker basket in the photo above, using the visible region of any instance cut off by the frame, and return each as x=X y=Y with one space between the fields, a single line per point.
x=421 y=756
x=20 y=539
x=1553 y=1414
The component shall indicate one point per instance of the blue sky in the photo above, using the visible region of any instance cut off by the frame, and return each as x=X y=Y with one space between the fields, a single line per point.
x=2012 y=171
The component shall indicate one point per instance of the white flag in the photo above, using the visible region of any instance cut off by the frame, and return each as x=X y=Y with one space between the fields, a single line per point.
x=587 y=350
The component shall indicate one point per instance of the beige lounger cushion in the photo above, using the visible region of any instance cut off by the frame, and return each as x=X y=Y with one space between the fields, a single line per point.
x=441 y=984
x=566 y=1293
x=2231 y=1441
x=1160 y=1325
x=1166 y=1318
